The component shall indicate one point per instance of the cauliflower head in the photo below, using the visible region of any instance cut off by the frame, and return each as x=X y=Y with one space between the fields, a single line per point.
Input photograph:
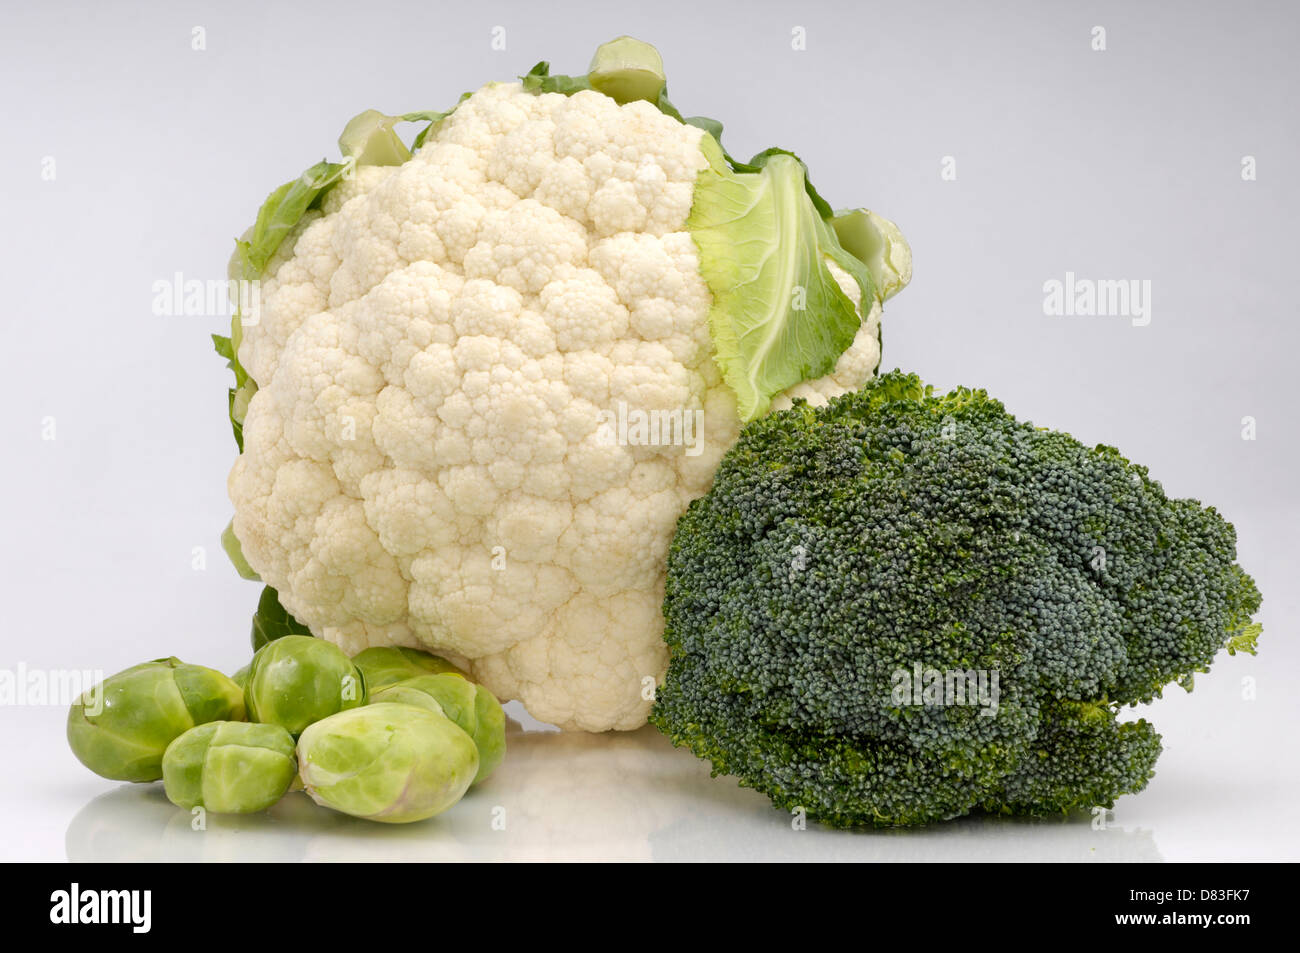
x=449 y=370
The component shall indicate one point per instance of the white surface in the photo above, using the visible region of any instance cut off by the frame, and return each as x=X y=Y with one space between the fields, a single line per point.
x=1122 y=164
x=631 y=796
x=1224 y=790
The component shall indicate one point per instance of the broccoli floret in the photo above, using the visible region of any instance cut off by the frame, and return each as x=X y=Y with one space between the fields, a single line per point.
x=847 y=553
x=1083 y=757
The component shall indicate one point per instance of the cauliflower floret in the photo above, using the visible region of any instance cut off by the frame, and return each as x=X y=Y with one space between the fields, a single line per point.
x=451 y=357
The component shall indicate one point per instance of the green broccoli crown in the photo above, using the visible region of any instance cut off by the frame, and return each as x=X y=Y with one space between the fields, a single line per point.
x=898 y=531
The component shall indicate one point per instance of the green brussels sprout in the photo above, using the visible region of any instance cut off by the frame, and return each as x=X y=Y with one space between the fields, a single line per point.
x=387 y=762
x=240 y=678
x=388 y=665
x=489 y=732
x=120 y=728
x=297 y=680
x=229 y=767
x=472 y=707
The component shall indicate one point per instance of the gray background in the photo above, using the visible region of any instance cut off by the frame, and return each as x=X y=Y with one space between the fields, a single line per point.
x=1117 y=164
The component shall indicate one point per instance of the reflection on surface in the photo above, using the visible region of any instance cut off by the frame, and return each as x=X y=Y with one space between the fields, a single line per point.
x=616 y=796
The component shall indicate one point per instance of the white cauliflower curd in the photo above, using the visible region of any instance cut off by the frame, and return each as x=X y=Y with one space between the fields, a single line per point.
x=432 y=451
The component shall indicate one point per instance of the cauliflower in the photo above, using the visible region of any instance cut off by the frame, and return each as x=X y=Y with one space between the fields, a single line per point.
x=444 y=394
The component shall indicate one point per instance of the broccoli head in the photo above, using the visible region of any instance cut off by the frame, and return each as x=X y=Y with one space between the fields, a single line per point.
x=902 y=607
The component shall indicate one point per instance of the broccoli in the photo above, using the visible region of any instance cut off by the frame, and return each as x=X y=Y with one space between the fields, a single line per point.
x=846 y=554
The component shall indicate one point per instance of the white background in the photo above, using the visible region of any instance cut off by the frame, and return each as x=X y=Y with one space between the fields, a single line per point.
x=1117 y=164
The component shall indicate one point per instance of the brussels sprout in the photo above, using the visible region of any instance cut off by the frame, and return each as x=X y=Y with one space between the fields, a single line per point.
x=387 y=762
x=240 y=678
x=388 y=665
x=489 y=732
x=121 y=727
x=416 y=691
x=229 y=767
x=472 y=707
x=297 y=680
